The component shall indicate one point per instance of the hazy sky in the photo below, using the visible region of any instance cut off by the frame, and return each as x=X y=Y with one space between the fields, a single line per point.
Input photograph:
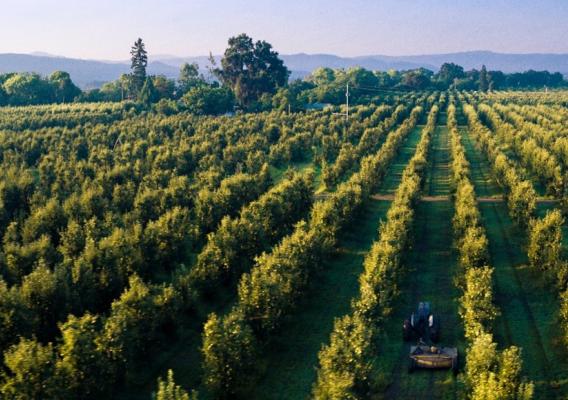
x=105 y=29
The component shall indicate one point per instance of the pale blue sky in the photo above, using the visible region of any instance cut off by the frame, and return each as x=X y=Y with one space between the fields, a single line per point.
x=105 y=29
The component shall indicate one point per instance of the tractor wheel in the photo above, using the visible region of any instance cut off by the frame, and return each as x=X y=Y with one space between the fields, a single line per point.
x=435 y=330
x=411 y=365
x=455 y=365
x=406 y=331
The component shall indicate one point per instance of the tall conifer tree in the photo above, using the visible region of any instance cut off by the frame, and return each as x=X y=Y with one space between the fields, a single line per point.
x=138 y=66
x=483 y=79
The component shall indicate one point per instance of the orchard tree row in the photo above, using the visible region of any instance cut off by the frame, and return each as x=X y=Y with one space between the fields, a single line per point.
x=14 y=120
x=550 y=135
x=488 y=371
x=537 y=159
x=350 y=155
x=544 y=234
x=520 y=193
x=556 y=99
x=231 y=249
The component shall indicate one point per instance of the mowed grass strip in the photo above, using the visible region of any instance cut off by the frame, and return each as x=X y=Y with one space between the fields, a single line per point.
x=431 y=266
x=292 y=356
x=528 y=306
x=480 y=173
x=405 y=153
x=437 y=181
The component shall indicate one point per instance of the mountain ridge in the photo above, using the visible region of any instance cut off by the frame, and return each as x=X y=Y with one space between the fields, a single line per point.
x=92 y=73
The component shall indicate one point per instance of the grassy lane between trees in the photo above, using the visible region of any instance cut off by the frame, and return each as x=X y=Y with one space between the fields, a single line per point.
x=393 y=177
x=528 y=307
x=483 y=184
x=431 y=266
x=293 y=353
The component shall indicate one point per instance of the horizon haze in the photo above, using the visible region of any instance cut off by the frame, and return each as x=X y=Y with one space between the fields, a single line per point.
x=89 y=30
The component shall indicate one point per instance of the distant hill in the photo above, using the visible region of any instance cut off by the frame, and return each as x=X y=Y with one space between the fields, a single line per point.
x=493 y=61
x=473 y=59
x=85 y=73
x=92 y=73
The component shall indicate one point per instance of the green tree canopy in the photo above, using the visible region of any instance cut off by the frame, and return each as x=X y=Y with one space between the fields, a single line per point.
x=449 y=72
x=164 y=87
x=30 y=367
x=24 y=89
x=3 y=96
x=251 y=69
x=65 y=89
x=148 y=94
x=189 y=77
x=322 y=76
x=169 y=390
x=418 y=79
x=483 y=79
x=139 y=62
x=208 y=100
x=81 y=363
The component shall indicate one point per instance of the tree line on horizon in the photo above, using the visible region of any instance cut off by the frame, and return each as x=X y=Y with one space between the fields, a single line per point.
x=252 y=77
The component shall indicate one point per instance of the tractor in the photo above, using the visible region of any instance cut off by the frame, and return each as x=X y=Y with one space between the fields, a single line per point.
x=422 y=325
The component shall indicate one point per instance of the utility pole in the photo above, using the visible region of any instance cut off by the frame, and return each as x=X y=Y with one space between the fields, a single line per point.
x=346 y=111
x=346 y=114
x=347 y=103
